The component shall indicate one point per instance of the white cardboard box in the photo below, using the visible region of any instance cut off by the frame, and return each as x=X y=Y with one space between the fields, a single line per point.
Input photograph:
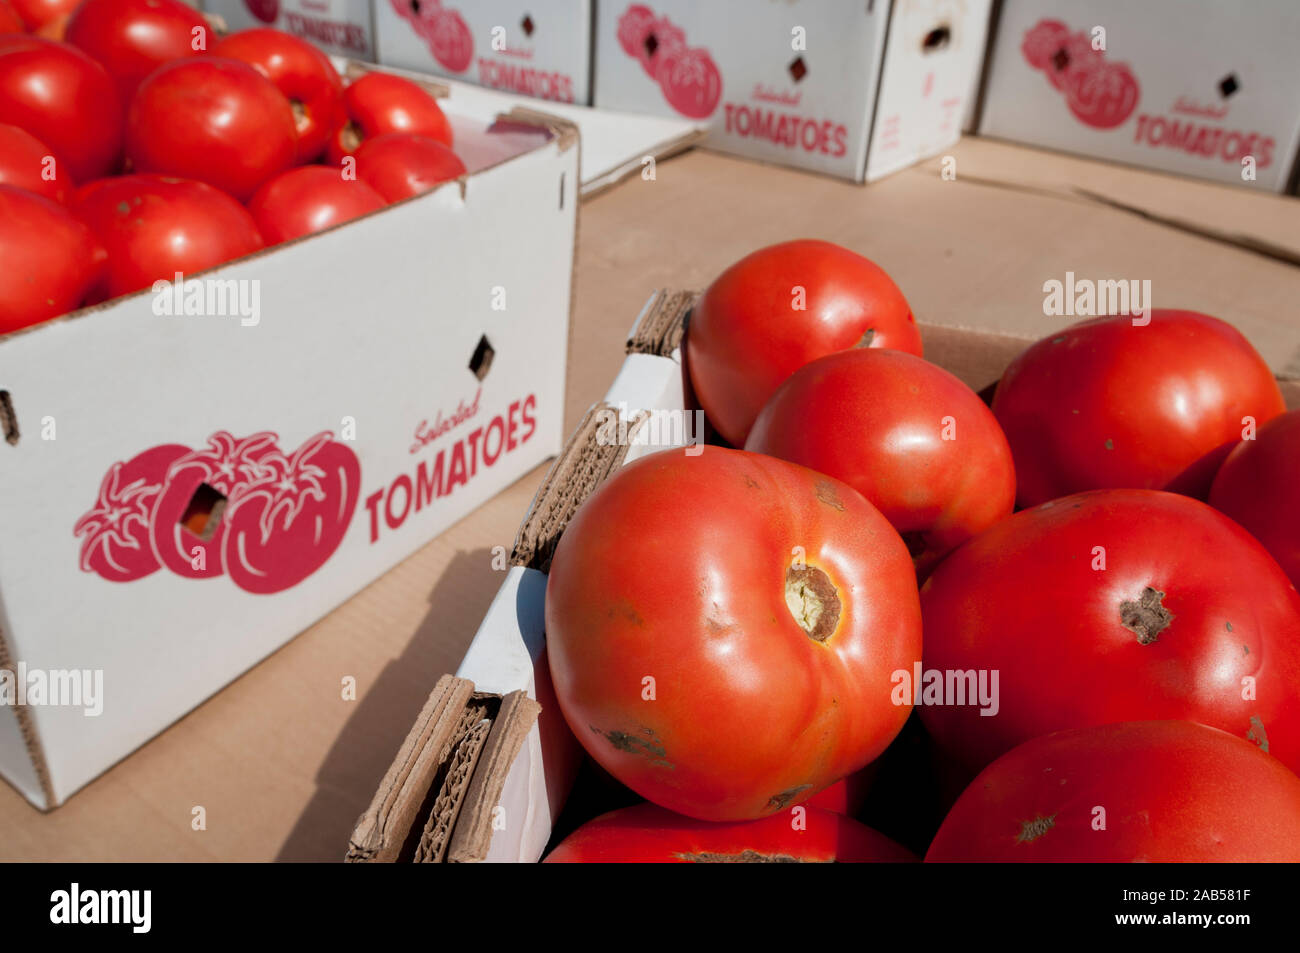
x=368 y=334
x=340 y=27
x=1196 y=87
x=855 y=90
x=536 y=49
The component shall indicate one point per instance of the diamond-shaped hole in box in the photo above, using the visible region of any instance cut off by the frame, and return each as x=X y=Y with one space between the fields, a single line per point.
x=481 y=362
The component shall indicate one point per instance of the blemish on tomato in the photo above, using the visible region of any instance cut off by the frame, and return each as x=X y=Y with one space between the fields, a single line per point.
x=1032 y=830
x=778 y=801
x=1145 y=617
x=744 y=857
x=827 y=494
x=1257 y=734
x=633 y=744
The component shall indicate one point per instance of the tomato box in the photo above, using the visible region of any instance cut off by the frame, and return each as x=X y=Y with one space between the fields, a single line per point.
x=503 y=809
x=196 y=472
x=855 y=90
x=340 y=27
x=1195 y=87
x=535 y=49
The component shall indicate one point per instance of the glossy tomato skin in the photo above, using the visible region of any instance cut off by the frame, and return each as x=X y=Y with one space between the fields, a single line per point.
x=10 y=21
x=37 y=13
x=747 y=333
x=399 y=165
x=308 y=200
x=154 y=227
x=1171 y=791
x=132 y=38
x=213 y=119
x=51 y=260
x=1115 y=605
x=647 y=834
x=1106 y=403
x=687 y=569
x=377 y=103
x=913 y=439
x=65 y=99
x=28 y=163
x=302 y=73
x=1257 y=487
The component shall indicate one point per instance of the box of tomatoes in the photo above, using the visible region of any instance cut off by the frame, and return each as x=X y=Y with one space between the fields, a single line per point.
x=1196 y=88
x=716 y=598
x=242 y=381
x=339 y=27
x=542 y=50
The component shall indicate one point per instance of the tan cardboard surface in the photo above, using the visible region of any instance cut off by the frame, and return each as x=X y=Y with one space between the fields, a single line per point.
x=283 y=766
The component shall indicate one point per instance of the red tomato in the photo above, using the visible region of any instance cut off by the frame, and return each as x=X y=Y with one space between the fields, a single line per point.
x=1145 y=792
x=116 y=528
x=769 y=621
x=279 y=532
x=913 y=439
x=1115 y=605
x=775 y=310
x=132 y=38
x=155 y=227
x=847 y=795
x=377 y=103
x=303 y=74
x=398 y=165
x=27 y=163
x=50 y=260
x=1106 y=403
x=10 y=21
x=56 y=29
x=36 y=13
x=1256 y=486
x=647 y=834
x=308 y=200
x=213 y=119
x=63 y=98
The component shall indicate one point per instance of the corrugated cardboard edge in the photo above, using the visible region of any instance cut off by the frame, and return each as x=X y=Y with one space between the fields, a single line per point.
x=31 y=739
x=585 y=462
x=564 y=131
x=472 y=835
x=384 y=827
x=662 y=325
x=462 y=759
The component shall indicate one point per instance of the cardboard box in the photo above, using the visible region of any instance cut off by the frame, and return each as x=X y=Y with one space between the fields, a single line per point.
x=536 y=49
x=339 y=27
x=393 y=375
x=1195 y=87
x=855 y=90
x=649 y=407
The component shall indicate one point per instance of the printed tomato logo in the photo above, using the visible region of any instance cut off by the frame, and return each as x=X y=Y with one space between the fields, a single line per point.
x=1099 y=93
x=691 y=83
x=117 y=544
x=633 y=27
x=282 y=531
x=264 y=10
x=236 y=505
x=444 y=31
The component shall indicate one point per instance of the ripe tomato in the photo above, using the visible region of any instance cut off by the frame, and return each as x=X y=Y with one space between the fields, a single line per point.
x=63 y=98
x=398 y=165
x=647 y=834
x=913 y=439
x=307 y=200
x=28 y=163
x=1145 y=792
x=213 y=119
x=377 y=103
x=10 y=21
x=154 y=227
x=1115 y=605
x=37 y=13
x=302 y=73
x=733 y=663
x=56 y=29
x=132 y=38
x=775 y=310
x=1105 y=403
x=51 y=260
x=1256 y=486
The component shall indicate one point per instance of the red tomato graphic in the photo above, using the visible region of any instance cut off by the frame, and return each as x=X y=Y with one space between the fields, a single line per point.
x=116 y=528
x=264 y=10
x=1104 y=97
x=633 y=27
x=228 y=466
x=448 y=37
x=281 y=531
x=691 y=82
x=1042 y=41
x=663 y=40
x=1071 y=55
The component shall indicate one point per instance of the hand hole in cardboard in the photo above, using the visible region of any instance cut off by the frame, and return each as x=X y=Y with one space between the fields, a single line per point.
x=1229 y=85
x=203 y=513
x=481 y=361
x=8 y=419
x=937 y=39
x=527 y=25
x=798 y=68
